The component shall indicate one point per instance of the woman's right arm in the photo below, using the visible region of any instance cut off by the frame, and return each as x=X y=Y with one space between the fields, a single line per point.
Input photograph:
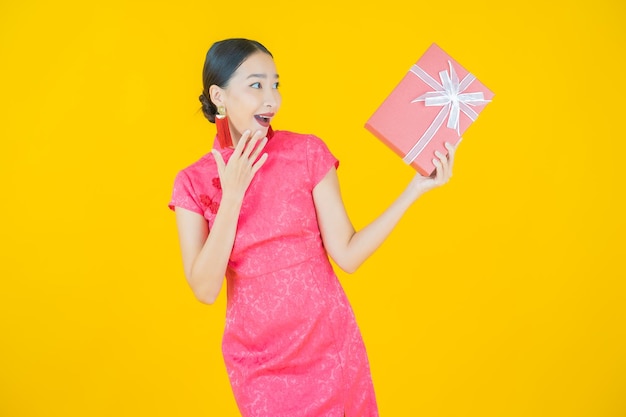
x=205 y=254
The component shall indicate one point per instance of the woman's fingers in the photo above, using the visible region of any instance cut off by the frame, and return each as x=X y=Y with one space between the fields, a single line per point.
x=445 y=163
x=442 y=167
x=219 y=160
x=241 y=144
x=438 y=169
x=259 y=163
x=443 y=171
x=244 y=162
x=257 y=150
x=250 y=146
x=451 y=153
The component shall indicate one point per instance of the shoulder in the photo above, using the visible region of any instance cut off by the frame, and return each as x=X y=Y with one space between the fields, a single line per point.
x=197 y=176
x=196 y=185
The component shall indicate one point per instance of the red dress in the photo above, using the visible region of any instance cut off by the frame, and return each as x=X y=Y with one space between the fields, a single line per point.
x=291 y=343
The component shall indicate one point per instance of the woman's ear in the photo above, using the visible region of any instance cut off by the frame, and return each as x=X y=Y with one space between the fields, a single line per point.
x=216 y=94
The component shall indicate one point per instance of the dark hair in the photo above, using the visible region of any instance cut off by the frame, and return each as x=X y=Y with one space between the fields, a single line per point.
x=222 y=60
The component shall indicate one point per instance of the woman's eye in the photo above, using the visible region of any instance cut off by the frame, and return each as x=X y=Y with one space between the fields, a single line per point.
x=256 y=85
x=275 y=86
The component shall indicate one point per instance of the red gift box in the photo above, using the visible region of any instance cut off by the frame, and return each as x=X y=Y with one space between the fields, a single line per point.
x=434 y=103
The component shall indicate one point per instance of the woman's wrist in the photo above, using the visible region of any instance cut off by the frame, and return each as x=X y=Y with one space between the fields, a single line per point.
x=413 y=192
x=231 y=202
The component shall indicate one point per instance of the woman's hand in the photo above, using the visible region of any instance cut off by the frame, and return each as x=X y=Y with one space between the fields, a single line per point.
x=236 y=175
x=421 y=184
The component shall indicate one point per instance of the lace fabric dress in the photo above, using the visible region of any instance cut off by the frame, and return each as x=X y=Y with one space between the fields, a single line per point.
x=291 y=344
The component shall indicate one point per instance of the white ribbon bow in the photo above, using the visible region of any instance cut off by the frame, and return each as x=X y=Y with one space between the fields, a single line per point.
x=452 y=99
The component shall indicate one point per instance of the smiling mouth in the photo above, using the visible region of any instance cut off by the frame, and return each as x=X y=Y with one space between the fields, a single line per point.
x=264 y=119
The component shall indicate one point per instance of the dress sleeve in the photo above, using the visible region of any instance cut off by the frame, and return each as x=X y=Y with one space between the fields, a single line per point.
x=319 y=159
x=184 y=195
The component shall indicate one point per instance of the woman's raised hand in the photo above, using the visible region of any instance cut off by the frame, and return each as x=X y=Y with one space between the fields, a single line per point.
x=443 y=164
x=236 y=175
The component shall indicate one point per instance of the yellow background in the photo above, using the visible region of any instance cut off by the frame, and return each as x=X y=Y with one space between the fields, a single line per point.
x=501 y=294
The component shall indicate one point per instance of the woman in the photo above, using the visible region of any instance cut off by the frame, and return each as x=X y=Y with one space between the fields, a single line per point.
x=266 y=213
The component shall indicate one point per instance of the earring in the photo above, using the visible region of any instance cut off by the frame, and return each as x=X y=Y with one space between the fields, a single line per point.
x=223 y=132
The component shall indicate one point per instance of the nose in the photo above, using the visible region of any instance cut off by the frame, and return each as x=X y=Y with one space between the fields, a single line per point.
x=270 y=99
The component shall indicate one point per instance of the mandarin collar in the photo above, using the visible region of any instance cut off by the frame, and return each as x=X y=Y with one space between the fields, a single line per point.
x=218 y=146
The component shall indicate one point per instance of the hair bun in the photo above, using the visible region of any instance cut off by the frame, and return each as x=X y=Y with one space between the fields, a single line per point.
x=208 y=109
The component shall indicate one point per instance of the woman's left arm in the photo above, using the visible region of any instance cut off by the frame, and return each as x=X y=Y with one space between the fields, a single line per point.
x=350 y=248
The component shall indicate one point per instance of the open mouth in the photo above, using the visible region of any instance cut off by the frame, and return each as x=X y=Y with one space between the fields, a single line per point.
x=264 y=119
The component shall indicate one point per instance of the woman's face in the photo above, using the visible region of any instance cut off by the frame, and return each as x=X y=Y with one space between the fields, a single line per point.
x=252 y=98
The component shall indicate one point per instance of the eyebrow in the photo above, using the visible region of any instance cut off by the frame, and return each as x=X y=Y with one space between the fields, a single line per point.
x=260 y=76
